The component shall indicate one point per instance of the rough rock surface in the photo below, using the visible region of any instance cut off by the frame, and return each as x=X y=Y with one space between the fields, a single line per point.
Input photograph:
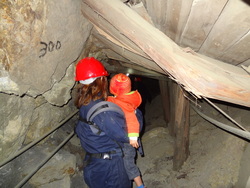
x=40 y=39
x=39 y=44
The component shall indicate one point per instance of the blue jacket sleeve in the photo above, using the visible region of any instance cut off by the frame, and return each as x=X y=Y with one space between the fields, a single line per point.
x=140 y=118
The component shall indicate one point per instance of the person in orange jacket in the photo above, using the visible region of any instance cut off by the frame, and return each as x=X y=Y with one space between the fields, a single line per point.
x=129 y=101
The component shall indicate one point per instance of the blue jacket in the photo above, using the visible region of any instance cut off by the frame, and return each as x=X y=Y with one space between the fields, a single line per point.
x=112 y=123
x=101 y=173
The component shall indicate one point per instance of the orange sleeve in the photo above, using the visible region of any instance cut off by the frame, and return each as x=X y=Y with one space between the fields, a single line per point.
x=133 y=125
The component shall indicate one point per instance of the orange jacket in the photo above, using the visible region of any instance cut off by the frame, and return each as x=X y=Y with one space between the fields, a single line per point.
x=128 y=103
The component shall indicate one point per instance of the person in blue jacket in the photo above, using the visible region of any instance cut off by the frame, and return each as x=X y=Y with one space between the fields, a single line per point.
x=104 y=156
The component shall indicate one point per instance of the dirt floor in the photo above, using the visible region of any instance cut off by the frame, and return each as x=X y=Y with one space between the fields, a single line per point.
x=217 y=158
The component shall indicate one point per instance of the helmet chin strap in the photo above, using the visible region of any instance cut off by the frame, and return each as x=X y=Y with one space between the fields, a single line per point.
x=88 y=81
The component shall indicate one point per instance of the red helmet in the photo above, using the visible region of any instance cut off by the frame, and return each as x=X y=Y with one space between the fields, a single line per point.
x=120 y=84
x=89 y=67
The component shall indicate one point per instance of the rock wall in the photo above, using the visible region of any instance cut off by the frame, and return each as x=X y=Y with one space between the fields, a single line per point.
x=39 y=43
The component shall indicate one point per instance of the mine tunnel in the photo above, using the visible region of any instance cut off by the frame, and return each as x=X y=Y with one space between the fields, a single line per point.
x=190 y=57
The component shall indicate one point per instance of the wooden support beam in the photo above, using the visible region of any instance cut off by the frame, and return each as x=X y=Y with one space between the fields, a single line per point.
x=165 y=99
x=181 y=129
x=117 y=64
x=137 y=58
x=172 y=97
x=199 y=76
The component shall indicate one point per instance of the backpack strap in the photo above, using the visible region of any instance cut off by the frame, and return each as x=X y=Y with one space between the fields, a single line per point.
x=102 y=107
x=95 y=129
x=97 y=109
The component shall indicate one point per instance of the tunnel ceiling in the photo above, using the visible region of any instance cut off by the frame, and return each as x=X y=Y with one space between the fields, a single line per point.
x=202 y=45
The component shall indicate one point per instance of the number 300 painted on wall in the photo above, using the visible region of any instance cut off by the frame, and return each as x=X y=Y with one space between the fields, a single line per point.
x=49 y=47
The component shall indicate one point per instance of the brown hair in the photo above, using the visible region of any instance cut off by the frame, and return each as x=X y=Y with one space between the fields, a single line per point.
x=94 y=91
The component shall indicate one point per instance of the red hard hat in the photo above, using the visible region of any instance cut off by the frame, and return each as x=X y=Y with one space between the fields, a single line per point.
x=89 y=67
x=120 y=84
